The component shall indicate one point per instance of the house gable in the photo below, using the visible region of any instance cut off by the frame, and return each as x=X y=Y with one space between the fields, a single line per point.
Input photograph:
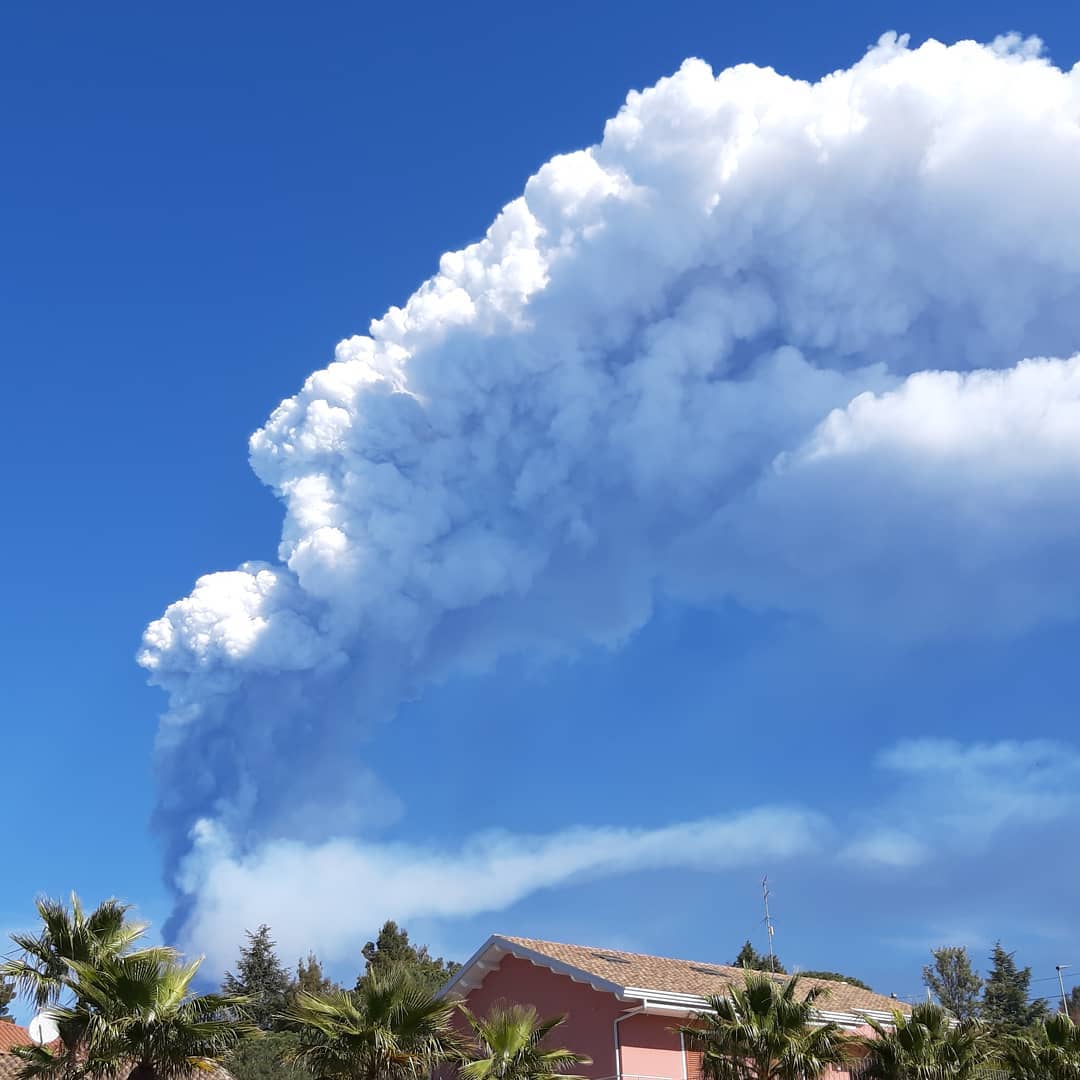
x=590 y=1012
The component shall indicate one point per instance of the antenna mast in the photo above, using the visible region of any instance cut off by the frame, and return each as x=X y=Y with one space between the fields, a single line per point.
x=768 y=921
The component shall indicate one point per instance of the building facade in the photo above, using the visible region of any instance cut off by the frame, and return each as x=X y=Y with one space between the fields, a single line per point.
x=622 y=1007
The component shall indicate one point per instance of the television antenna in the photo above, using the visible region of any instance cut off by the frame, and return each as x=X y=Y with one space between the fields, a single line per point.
x=769 y=929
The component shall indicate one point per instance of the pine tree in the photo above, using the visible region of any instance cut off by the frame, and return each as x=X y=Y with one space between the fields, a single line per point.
x=954 y=982
x=835 y=976
x=311 y=979
x=1005 y=1003
x=261 y=978
x=750 y=958
x=7 y=995
x=393 y=950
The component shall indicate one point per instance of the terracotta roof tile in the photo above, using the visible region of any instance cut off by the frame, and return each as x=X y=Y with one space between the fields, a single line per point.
x=691 y=977
x=9 y=1066
x=11 y=1035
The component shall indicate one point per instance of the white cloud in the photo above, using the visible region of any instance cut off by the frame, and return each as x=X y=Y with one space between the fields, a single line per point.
x=945 y=506
x=975 y=790
x=299 y=889
x=953 y=797
x=886 y=847
x=726 y=351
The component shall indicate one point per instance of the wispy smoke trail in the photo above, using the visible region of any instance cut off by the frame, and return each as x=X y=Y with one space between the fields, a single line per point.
x=719 y=354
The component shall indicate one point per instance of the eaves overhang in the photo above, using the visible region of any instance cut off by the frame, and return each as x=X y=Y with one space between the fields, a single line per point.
x=644 y=999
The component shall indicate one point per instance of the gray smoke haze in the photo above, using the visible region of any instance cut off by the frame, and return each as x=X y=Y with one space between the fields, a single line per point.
x=768 y=341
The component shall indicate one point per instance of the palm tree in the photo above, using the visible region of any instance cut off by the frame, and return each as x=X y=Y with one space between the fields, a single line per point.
x=68 y=936
x=509 y=1046
x=1053 y=1053
x=136 y=1016
x=765 y=1030
x=388 y=1028
x=927 y=1045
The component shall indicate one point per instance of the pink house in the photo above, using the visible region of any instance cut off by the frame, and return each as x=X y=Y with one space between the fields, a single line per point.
x=622 y=1006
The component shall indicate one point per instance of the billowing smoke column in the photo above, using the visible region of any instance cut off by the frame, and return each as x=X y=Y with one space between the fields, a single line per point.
x=765 y=342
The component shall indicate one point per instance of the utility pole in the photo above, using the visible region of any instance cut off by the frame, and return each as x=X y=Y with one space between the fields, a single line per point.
x=1061 y=983
x=768 y=921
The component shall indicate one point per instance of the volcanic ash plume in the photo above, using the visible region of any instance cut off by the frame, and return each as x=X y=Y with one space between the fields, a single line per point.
x=764 y=343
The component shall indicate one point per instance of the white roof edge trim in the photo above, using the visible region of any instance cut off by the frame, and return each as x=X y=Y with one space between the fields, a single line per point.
x=500 y=946
x=695 y=1003
x=470 y=963
x=668 y=997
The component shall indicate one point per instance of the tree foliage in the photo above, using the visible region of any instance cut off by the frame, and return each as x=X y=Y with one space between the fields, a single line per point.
x=765 y=1030
x=953 y=981
x=70 y=934
x=260 y=978
x=510 y=1046
x=311 y=979
x=1072 y=1004
x=268 y=1058
x=1005 y=1005
x=7 y=996
x=387 y=1029
x=750 y=958
x=1051 y=1053
x=119 y=1009
x=835 y=976
x=137 y=1014
x=927 y=1044
x=392 y=950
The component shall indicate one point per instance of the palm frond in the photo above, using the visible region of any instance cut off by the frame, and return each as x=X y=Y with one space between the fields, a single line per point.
x=386 y=1030
x=510 y=1046
x=765 y=1029
x=926 y=1044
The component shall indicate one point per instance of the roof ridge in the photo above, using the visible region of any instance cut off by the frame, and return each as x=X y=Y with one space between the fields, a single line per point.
x=622 y=952
x=840 y=991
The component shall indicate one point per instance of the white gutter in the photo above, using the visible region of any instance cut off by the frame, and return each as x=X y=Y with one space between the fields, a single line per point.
x=615 y=1030
x=668 y=1003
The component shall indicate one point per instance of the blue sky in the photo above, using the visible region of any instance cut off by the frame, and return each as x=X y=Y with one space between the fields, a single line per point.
x=198 y=205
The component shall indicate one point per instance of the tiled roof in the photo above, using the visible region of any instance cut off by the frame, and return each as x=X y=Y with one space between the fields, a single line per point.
x=11 y=1035
x=691 y=977
x=9 y=1066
